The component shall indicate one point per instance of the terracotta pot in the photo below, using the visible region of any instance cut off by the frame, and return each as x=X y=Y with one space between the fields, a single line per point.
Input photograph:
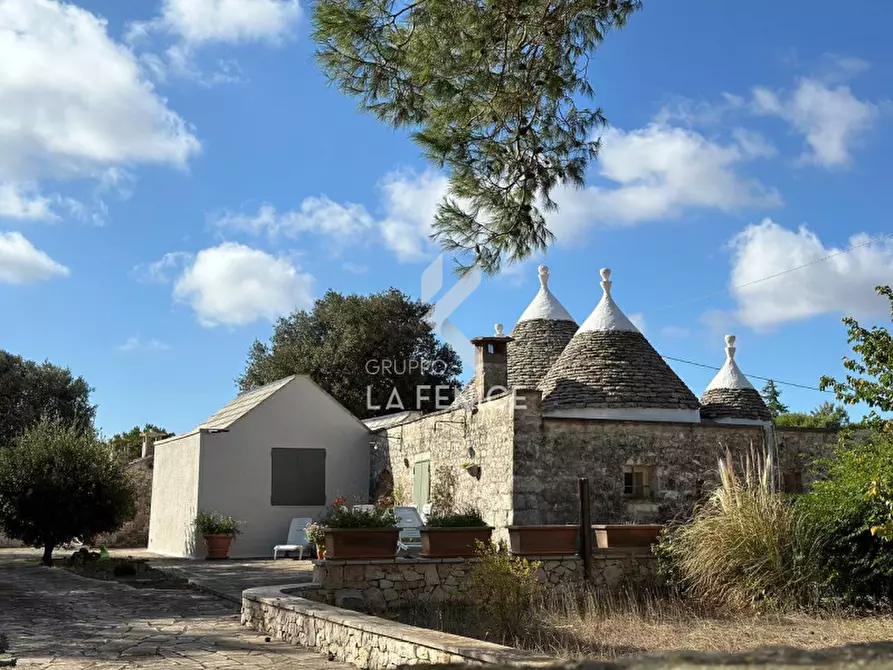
x=609 y=536
x=320 y=551
x=452 y=542
x=544 y=540
x=217 y=546
x=361 y=543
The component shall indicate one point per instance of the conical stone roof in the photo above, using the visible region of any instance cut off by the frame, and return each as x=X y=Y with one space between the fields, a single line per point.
x=730 y=397
x=539 y=337
x=610 y=371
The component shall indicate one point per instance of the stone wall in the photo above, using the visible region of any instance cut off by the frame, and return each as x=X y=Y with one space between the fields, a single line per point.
x=135 y=533
x=551 y=457
x=797 y=447
x=444 y=439
x=366 y=641
x=379 y=585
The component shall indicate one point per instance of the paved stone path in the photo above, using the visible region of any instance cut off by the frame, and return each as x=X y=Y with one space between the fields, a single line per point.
x=61 y=621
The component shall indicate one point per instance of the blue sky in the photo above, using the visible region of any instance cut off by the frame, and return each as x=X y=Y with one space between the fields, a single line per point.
x=176 y=174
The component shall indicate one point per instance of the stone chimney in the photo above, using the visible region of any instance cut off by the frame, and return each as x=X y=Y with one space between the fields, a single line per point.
x=149 y=443
x=491 y=371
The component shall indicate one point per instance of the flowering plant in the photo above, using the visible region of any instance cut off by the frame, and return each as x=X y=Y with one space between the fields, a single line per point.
x=360 y=516
x=316 y=533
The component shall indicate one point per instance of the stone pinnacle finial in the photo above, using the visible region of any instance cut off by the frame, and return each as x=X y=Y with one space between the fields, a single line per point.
x=730 y=347
x=499 y=330
x=606 y=280
x=544 y=276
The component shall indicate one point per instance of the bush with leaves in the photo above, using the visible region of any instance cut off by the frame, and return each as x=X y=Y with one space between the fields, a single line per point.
x=859 y=562
x=360 y=516
x=59 y=482
x=503 y=588
x=747 y=545
x=468 y=517
x=215 y=523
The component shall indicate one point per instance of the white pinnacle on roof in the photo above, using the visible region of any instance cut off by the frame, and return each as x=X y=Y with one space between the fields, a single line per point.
x=730 y=375
x=544 y=304
x=607 y=316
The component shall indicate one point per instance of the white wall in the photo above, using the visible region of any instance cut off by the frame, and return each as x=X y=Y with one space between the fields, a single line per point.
x=235 y=466
x=175 y=482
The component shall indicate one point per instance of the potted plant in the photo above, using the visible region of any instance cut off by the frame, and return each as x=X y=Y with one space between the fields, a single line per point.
x=609 y=536
x=218 y=532
x=453 y=535
x=361 y=532
x=544 y=540
x=316 y=533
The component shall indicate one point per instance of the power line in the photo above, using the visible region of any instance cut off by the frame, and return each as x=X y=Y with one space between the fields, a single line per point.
x=777 y=274
x=765 y=379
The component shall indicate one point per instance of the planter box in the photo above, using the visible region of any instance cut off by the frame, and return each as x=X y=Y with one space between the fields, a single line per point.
x=544 y=540
x=608 y=536
x=452 y=542
x=217 y=546
x=360 y=543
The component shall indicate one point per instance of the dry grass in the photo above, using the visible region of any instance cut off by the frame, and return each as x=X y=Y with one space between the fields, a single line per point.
x=607 y=626
x=611 y=626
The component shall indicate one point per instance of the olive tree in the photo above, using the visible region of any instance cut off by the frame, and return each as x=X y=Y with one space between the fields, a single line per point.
x=59 y=482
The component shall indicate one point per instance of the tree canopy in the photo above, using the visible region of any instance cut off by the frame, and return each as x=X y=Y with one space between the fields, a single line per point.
x=871 y=378
x=772 y=397
x=359 y=349
x=826 y=415
x=490 y=91
x=30 y=390
x=59 y=482
x=129 y=445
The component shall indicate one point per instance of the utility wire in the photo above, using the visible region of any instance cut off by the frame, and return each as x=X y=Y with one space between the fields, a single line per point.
x=777 y=274
x=765 y=379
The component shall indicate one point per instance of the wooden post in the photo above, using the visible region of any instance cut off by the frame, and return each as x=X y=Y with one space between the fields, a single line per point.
x=585 y=529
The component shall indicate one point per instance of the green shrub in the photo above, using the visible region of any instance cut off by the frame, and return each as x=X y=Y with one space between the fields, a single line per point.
x=469 y=517
x=59 y=482
x=503 y=588
x=343 y=516
x=746 y=545
x=214 y=523
x=859 y=564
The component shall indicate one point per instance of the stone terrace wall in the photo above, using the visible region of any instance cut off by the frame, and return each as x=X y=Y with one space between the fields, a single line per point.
x=551 y=455
x=135 y=533
x=363 y=640
x=443 y=439
x=379 y=585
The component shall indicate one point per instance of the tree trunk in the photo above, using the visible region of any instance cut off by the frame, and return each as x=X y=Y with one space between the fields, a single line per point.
x=48 y=555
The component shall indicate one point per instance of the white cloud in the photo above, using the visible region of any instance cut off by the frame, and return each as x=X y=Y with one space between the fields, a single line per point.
x=197 y=21
x=21 y=263
x=233 y=284
x=661 y=171
x=163 y=271
x=21 y=201
x=410 y=200
x=314 y=215
x=136 y=344
x=73 y=103
x=830 y=118
x=843 y=284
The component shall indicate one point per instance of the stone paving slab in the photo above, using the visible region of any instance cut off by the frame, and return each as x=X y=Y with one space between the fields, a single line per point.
x=60 y=621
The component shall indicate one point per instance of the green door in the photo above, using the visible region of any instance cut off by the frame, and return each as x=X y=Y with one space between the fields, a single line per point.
x=421 y=483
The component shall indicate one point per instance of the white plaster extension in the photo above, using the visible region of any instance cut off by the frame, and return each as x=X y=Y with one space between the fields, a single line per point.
x=607 y=316
x=730 y=375
x=544 y=304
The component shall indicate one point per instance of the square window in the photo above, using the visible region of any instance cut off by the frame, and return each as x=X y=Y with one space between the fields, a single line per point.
x=637 y=481
x=298 y=477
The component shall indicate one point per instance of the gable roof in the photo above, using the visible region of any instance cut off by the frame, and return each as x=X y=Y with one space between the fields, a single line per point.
x=227 y=415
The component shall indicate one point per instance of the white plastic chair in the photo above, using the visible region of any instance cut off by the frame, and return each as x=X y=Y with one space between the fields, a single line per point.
x=297 y=539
